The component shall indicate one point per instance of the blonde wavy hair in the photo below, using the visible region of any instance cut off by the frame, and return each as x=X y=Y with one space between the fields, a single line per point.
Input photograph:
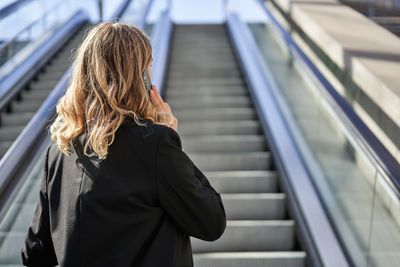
x=106 y=88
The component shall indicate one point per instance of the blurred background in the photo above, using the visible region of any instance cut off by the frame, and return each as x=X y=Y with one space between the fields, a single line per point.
x=291 y=109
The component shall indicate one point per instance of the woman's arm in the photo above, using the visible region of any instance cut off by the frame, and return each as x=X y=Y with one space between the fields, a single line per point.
x=185 y=193
x=38 y=249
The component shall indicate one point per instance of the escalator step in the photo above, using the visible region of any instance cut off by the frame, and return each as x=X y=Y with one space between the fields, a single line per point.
x=51 y=72
x=200 y=128
x=178 y=73
x=204 y=82
x=57 y=67
x=51 y=76
x=185 y=61
x=206 y=91
x=210 y=101
x=220 y=132
x=180 y=69
x=216 y=114
x=26 y=106
x=13 y=119
x=63 y=60
x=10 y=133
x=43 y=84
x=250 y=235
x=36 y=95
x=243 y=181
x=232 y=161
x=253 y=259
x=252 y=206
x=226 y=143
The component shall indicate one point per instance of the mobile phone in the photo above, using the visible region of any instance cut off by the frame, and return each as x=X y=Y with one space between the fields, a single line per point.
x=147 y=81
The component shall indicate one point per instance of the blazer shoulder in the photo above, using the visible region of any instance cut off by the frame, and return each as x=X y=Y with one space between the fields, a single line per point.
x=52 y=152
x=146 y=141
x=157 y=134
x=150 y=131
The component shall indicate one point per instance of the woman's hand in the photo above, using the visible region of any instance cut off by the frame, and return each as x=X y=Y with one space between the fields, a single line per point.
x=160 y=105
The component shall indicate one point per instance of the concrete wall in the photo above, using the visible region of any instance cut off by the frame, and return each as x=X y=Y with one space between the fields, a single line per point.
x=359 y=57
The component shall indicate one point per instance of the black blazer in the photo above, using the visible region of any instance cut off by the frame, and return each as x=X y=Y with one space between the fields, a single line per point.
x=137 y=207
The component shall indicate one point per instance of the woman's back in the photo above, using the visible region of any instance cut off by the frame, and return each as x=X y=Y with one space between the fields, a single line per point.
x=117 y=189
x=137 y=207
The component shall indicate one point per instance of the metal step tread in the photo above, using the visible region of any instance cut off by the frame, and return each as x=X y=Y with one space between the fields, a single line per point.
x=220 y=132
x=187 y=128
x=207 y=101
x=221 y=161
x=251 y=258
x=254 y=206
x=250 y=235
x=248 y=213
x=251 y=181
x=226 y=143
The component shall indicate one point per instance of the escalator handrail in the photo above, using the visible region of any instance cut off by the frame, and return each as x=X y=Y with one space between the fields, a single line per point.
x=119 y=11
x=13 y=83
x=313 y=224
x=160 y=38
x=142 y=21
x=382 y=159
x=17 y=157
x=30 y=25
x=10 y=8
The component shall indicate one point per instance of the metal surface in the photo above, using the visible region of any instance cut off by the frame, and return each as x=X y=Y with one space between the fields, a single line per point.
x=206 y=92
x=289 y=161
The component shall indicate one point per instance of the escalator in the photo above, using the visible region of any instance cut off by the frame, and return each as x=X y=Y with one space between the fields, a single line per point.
x=257 y=120
x=21 y=110
x=221 y=133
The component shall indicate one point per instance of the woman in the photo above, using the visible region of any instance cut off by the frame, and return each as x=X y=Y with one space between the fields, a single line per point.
x=118 y=190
